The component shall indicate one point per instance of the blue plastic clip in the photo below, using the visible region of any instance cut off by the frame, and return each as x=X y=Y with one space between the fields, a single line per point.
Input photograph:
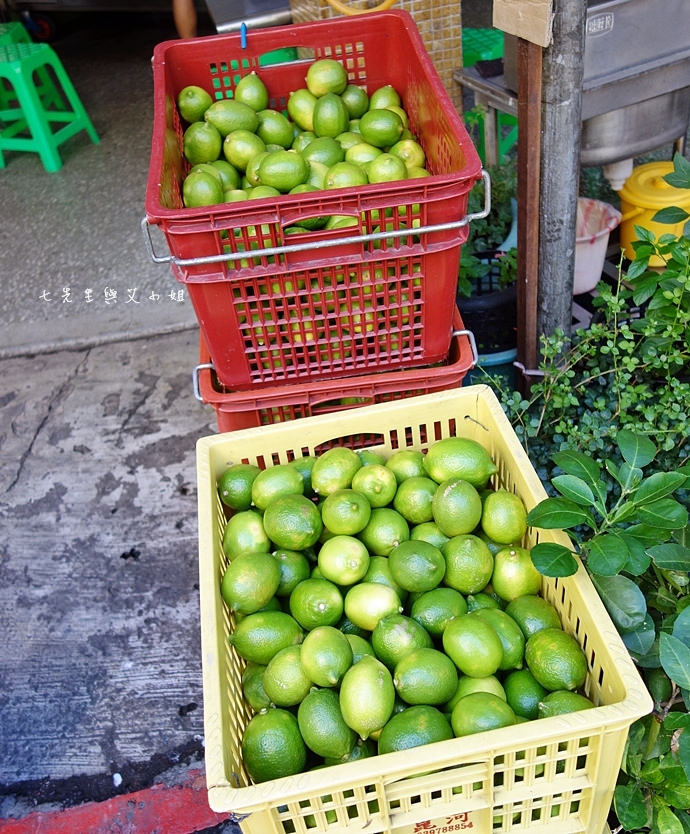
x=243 y=35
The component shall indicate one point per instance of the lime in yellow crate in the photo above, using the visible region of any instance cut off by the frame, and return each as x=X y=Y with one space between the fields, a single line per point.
x=553 y=775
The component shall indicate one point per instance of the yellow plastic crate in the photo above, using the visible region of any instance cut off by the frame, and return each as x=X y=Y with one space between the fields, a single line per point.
x=555 y=775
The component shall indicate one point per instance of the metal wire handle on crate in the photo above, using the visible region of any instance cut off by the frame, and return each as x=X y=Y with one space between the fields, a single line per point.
x=321 y=244
x=209 y=366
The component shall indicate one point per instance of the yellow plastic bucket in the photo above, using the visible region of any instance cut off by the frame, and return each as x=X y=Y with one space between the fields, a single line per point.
x=643 y=194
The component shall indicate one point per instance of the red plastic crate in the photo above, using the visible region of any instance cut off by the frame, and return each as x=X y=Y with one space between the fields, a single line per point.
x=264 y=406
x=322 y=304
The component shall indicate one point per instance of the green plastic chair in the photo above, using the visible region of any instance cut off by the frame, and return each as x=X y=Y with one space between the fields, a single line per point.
x=33 y=122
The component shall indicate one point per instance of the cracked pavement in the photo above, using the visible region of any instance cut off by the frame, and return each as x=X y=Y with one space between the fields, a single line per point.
x=100 y=669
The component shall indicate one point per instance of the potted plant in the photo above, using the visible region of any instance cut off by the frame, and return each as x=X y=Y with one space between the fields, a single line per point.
x=487 y=290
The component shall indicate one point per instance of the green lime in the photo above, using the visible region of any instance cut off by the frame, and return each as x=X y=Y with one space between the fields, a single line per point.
x=417 y=565
x=345 y=512
x=434 y=609
x=252 y=91
x=459 y=457
x=230 y=177
x=345 y=175
x=360 y=646
x=362 y=153
x=395 y=636
x=326 y=76
x=473 y=646
x=240 y=146
x=469 y=563
x=413 y=727
x=377 y=483
x=201 y=189
x=326 y=655
x=381 y=128
x=235 y=485
x=275 y=481
x=343 y=560
x=406 y=463
x=275 y=129
x=367 y=602
x=356 y=100
x=322 y=724
x=556 y=659
x=252 y=171
x=292 y=522
x=425 y=676
x=294 y=567
x=481 y=600
x=504 y=517
x=413 y=499
x=386 y=167
x=532 y=613
x=510 y=634
x=367 y=696
x=428 y=531
x=479 y=712
x=466 y=686
x=384 y=96
x=385 y=530
x=411 y=153
x=228 y=114
x=379 y=571
x=369 y=457
x=257 y=637
x=300 y=107
x=244 y=533
x=456 y=507
x=330 y=116
x=361 y=750
x=272 y=746
x=348 y=139
x=192 y=102
x=334 y=470
x=523 y=693
x=285 y=680
x=253 y=687
x=316 y=602
x=283 y=170
x=302 y=139
x=514 y=574
x=304 y=466
x=561 y=702
x=249 y=582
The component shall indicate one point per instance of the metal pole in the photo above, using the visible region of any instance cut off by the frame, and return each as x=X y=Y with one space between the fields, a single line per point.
x=562 y=74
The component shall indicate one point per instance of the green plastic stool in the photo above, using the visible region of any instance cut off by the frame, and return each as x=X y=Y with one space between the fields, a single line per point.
x=27 y=125
x=13 y=32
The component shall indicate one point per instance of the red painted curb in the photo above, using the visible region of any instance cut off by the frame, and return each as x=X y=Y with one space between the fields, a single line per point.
x=163 y=809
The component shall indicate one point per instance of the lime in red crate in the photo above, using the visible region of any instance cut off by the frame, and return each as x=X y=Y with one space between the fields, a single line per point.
x=327 y=303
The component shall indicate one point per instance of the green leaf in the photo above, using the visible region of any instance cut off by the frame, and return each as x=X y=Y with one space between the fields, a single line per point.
x=666 y=513
x=574 y=488
x=681 y=626
x=680 y=176
x=552 y=559
x=670 y=215
x=558 y=514
x=670 y=556
x=684 y=752
x=607 y=554
x=641 y=640
x=629 y=804
x=629 y=476
x=667 y=822
x=623 y=600
x=676 y=721
x=648 y=534
x=638 y=559
x=636 y=449
x=579 y=465
x=657 y=486
x=675 y=659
